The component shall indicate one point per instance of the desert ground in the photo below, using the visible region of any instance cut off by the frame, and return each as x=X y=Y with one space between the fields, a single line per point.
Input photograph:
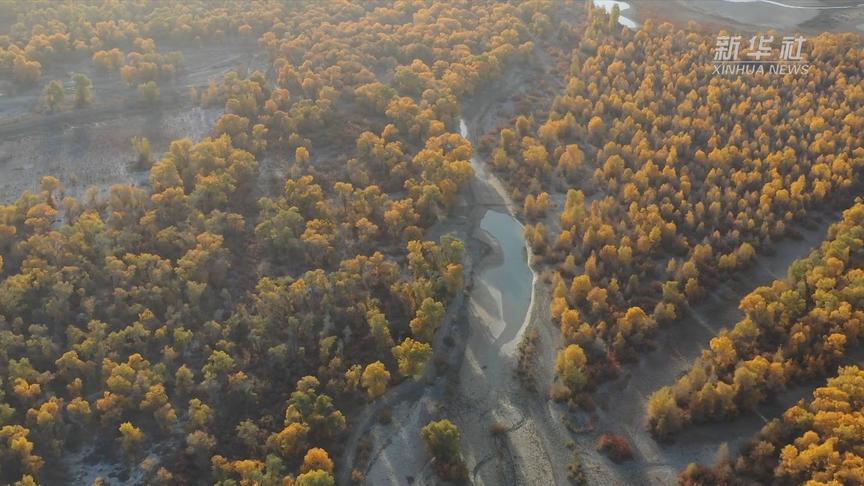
x=91 y=147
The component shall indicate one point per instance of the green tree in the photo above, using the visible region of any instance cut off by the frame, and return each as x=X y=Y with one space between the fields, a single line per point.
x=149 y=91
x=412 y=356
x=375 y=379
x=379 y=328
x=83 y=90
x=442 y=439
x=53 y=95
x=141 y=145
x=665 y=417
x=429 y=317
x=570 y=366
x=317 y=477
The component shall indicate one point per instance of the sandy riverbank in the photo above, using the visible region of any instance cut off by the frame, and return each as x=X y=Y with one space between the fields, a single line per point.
x=482 y=389
x=474 y=381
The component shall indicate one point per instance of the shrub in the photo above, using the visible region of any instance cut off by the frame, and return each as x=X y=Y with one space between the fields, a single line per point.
x=616 y=447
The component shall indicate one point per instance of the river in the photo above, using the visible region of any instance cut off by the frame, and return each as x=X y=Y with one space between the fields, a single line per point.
x=480 y=389
x=476 y=386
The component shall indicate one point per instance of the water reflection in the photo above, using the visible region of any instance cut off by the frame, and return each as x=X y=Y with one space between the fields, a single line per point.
x=511 y=277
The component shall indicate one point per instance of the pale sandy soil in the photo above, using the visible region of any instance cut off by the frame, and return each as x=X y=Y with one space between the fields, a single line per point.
x=95 y=154
x=621 y=402
x=786 y=16
x=484 y=387
x=91 y=146
x=477 y=386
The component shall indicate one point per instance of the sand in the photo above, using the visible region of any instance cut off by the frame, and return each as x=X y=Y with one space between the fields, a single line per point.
x=786 y=16
x=91 y=146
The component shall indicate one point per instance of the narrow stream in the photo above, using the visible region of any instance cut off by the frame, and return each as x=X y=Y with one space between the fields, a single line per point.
x=511 y=279
x=482 y=392
x=508 y=277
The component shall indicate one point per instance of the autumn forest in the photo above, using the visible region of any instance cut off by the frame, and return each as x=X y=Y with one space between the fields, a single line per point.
x=260 y=243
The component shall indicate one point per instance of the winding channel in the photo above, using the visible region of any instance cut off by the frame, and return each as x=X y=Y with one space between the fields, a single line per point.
x=472 y=382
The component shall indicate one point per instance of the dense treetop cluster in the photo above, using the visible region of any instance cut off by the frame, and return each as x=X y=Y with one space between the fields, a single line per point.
x=673 y=176
x=46 y=32
x=234 y=323
x=815 y=442
x=239 y=322
x=670 y=178
x=797 y=328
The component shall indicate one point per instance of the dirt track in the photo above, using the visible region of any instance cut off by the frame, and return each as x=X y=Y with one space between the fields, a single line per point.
x=621 y=402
